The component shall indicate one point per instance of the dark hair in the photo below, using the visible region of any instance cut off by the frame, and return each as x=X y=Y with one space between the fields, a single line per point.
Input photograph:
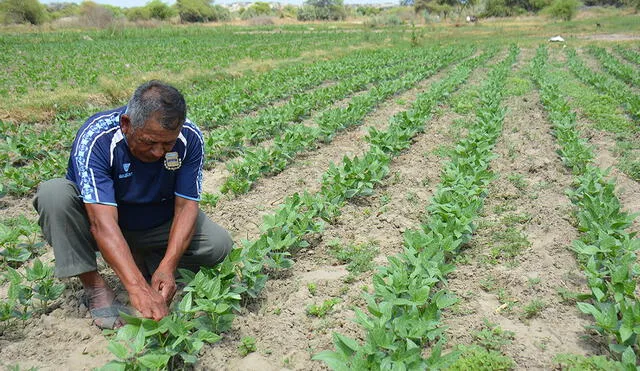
x=156 y=97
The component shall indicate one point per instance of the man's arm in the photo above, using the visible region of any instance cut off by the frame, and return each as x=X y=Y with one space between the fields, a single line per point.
x=182 y=228
x=116 y=252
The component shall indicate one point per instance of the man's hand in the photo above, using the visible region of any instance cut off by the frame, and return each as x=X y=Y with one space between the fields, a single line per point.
x=164 y=282
x=149 y=302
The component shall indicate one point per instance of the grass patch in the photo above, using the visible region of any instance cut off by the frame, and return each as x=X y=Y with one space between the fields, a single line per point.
x=575 y=362
x=518 y=86
x=509 y=243
x=533 y=309
x=321 y=310
x=358 y=257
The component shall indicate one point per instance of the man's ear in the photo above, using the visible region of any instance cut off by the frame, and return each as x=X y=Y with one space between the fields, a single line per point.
x=125 y=124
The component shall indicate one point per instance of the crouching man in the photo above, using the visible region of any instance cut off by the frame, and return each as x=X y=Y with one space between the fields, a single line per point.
x=131 y=192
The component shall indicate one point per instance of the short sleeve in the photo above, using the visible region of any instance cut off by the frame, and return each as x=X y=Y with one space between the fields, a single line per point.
x=189 y=176
x=93 y=169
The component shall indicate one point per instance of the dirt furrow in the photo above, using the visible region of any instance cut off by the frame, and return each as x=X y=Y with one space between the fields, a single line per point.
x=514 y=266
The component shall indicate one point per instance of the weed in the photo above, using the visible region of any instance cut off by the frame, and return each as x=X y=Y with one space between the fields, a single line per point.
x=513 y=219
x=247 y=345
x=313 y=288
x=478 y=358
x=575 y=362
x=503 y=207
x=488 y=283
x=509 y=243
x=210 y=199
x=443 y=150
x=492 y=337
x=413 y=198
x=518 y=86
x=507 y=301
x=571 y=297
x=533 y=308
x=512 y=152
x=385 y=198
x=358 y=257
x=534 y=281
x=322 y=310
x=518 y=181
x=542 y=344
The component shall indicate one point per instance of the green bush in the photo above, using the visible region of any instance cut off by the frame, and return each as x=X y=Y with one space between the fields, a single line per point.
x=60 y=10
x=221 y=14
x=139 y=13
x=195 y=10
x=383 y=20
x=563 y=9
x=256 y=9
x=324 y=10
x=288 y=11
x=307 y=13
x=478 y=358
x=22 y=11
x=500 y=8
x=159 y=10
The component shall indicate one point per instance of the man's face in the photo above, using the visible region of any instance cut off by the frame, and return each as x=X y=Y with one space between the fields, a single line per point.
x=150 y=142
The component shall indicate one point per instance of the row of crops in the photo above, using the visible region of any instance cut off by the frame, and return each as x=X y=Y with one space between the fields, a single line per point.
x=606 y=250
x=40 y=61
x=296 y=109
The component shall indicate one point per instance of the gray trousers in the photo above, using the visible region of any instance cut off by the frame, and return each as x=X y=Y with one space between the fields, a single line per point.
x=65 y=225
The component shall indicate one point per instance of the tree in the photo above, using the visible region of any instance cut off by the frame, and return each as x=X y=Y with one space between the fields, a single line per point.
x=23 y=11
x=195 y=10
x=563 y=9
x=139 y=13
x=442 y=7
x=59 y=10
x=326 y=10
x=96 y=15
x=257 y=9
x=159 y=10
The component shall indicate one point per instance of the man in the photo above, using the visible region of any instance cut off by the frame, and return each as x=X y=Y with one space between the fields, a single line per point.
x=131 y=192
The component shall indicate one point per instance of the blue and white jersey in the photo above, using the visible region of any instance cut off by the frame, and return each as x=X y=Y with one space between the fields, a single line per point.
x=106 y=172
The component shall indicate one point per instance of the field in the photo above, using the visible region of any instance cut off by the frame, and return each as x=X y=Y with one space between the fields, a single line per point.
x=437 y=196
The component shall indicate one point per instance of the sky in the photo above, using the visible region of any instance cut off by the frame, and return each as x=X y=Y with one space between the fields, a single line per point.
x=132 y=3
